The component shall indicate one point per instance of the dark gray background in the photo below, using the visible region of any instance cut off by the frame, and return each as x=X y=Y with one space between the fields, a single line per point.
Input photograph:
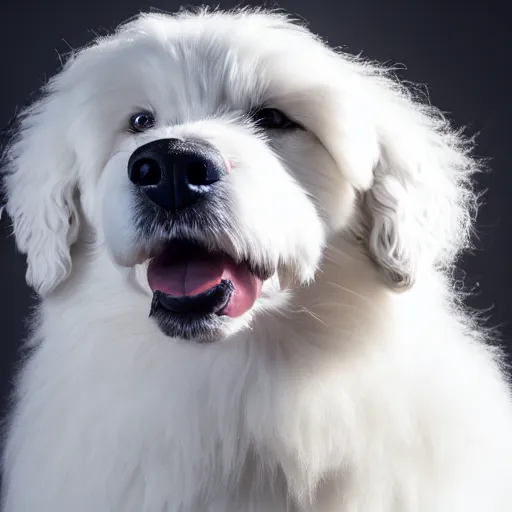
x=460 y=50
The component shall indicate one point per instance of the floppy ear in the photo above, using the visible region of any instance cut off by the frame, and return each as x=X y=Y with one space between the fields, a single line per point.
x=40 y=184
x=411 y=169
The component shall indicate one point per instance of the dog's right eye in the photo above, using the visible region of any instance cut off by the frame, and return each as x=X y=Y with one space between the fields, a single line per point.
x=141 y=121
x=272 y=119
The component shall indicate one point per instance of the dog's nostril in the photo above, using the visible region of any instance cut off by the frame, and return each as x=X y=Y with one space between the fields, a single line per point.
x=197 y=174
x=146 y=172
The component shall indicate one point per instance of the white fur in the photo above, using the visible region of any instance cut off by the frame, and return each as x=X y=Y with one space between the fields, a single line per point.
x=356 y=383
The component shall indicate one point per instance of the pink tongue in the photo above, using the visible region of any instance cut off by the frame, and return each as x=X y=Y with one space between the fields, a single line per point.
x=201 y=272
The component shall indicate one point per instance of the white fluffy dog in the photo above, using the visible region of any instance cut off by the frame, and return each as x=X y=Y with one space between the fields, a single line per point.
x=243 y=243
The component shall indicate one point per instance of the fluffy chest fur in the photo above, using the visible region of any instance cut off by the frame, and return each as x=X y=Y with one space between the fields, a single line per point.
x=122 y=420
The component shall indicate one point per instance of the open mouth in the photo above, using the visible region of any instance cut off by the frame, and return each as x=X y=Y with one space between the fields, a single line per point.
x=193 y=288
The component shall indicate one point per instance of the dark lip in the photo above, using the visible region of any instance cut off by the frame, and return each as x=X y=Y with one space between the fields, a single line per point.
x=212 y=301
x=200 y=328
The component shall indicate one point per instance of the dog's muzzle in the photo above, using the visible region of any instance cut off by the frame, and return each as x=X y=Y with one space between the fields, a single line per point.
x=195 y=288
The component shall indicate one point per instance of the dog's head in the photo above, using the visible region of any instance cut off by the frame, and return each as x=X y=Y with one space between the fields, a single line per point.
x=221 y=151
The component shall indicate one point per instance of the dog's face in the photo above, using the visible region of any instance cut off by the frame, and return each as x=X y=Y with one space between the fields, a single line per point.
x=218 y=153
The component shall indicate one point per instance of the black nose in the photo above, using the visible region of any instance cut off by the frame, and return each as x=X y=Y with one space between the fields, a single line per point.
x=175 y=174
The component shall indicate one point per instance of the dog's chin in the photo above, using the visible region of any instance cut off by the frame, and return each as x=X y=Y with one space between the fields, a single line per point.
x=198 y=293
x=198 y=327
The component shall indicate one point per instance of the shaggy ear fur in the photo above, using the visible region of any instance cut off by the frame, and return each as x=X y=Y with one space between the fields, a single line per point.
x=411 y=169
x=40 y=184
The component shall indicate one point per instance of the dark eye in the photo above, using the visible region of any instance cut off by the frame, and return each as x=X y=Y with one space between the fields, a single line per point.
x=141 y=121
x=272 y=119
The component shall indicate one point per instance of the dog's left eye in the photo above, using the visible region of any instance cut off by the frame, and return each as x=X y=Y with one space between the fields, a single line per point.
x=141 y=121
x=272 y=119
